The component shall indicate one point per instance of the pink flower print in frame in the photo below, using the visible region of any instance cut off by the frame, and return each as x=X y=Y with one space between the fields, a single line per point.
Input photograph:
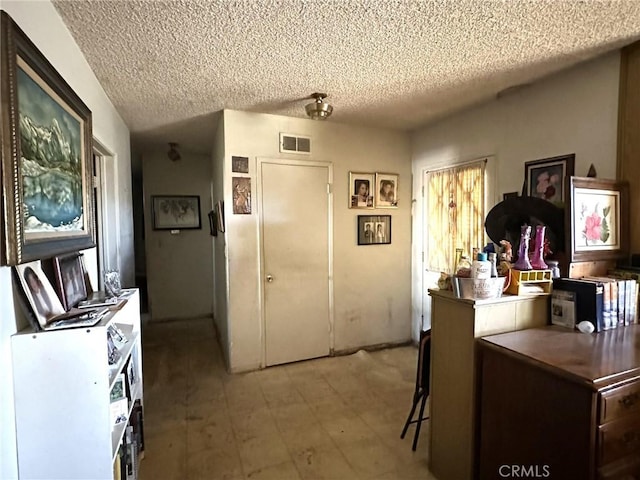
x=597 y=214
x=596 y=226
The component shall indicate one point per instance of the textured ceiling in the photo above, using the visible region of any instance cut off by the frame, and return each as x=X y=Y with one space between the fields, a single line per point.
x=169 y=65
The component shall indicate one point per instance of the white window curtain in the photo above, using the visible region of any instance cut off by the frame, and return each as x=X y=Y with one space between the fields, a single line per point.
x=455 y=202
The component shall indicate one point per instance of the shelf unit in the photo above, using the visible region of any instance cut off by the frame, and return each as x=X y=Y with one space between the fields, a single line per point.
x=62 y=385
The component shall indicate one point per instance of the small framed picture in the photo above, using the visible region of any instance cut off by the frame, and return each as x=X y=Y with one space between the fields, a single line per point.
x=545 y=178
x=213 y=230
x=386 y=190
x=508 y=195
x=176 y=212
x=219 y=209
x=240 y=164
x=361 y=187
x=70 y=279
x=374 y=229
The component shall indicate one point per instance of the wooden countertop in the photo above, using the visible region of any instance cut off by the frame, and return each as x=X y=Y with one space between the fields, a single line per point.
x=598 y=359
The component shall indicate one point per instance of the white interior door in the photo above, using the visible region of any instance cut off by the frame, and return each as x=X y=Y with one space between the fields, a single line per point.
x=296 y=267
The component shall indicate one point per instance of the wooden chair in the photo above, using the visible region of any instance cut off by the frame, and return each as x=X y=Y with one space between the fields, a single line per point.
x=422 y=386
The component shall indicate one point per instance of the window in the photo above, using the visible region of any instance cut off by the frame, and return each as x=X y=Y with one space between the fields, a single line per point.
x=455 y=213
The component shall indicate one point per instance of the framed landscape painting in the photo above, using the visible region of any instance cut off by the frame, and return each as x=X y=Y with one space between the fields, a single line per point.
x=47 y=164
x=175 y=212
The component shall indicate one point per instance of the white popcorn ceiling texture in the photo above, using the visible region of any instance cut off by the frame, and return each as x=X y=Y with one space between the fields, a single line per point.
x=168 y=65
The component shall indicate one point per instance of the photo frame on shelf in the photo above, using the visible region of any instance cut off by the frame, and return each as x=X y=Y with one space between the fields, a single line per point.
x=386 y=192
x=42 y=298
x=176 y=212
x=508 y=195
x=597 y=213
x=374 y=229
x=70 y=280
x=47 y=146
x=545 y=178
x=361 y=187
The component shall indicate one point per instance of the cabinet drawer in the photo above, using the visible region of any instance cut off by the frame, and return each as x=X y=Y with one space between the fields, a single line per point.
x=627 y=468
x=620 y=402
x=618 y=439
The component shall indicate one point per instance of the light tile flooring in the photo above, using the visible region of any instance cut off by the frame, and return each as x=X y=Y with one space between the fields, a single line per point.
x=332 y=418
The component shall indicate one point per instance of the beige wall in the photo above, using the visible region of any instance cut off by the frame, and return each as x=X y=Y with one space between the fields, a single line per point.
x=42 y=24
x=371 y=284
x=572 y=112
x=179 y=266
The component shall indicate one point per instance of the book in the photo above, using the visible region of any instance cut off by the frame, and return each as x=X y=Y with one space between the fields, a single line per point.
x=610 y=300
x=588 y=298
x=563 y=308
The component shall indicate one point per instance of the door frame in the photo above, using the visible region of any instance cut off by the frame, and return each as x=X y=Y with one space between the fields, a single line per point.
x=106 y=174
x=261 y=270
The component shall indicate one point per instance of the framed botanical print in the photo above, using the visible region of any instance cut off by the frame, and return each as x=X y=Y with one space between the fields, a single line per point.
x=47 y=164
x=386 y=190
x=597 y=219
x=361 y=187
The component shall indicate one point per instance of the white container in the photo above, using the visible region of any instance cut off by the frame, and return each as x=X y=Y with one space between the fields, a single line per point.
x=481 y=267
x=478 y=289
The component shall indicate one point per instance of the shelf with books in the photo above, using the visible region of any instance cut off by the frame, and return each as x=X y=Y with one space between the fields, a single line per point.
x=71 y=367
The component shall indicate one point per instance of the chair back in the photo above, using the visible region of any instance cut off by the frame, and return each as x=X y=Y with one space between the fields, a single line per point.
x=424 y=361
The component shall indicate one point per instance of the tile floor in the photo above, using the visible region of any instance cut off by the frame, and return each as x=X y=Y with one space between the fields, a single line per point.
x=332 y=418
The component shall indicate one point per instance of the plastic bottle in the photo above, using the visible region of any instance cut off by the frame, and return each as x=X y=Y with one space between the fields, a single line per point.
x=481 y=267
x=492 y=260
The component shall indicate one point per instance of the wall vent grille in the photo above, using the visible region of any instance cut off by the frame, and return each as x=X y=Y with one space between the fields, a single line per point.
x=295 y=144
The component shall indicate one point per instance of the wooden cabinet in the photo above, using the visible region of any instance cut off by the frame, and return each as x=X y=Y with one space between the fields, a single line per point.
x=560 y=401
x=62 y=386
x=455 y=324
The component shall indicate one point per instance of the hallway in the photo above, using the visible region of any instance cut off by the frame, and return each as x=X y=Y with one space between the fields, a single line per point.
x=332 y=418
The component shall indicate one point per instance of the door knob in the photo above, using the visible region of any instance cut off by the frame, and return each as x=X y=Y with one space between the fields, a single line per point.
x=269 y=278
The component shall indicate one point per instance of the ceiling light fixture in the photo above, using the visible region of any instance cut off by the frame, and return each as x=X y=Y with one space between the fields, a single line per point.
x=319 y=110
x=173 y=153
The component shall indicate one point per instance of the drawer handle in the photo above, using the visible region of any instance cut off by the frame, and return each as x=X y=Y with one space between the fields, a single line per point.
x=630 y=438
x=629 y=401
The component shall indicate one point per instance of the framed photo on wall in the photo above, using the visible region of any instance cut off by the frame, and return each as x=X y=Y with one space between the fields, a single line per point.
x=361 y=187
x=545 y=178
x=386 y=190
x=175 y=212
x=241 y=188
x=597 y=213
x=47 y=159
x=374 y=229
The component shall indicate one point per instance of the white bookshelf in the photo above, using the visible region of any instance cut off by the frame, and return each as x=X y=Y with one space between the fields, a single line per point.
x=62 y=382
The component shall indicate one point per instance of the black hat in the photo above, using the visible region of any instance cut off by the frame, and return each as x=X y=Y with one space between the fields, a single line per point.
x=505 y=220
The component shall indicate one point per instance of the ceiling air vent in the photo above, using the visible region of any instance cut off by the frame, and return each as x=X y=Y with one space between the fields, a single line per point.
x=294 y=144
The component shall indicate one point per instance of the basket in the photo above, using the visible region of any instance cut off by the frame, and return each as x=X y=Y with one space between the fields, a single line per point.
x=478 y=289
